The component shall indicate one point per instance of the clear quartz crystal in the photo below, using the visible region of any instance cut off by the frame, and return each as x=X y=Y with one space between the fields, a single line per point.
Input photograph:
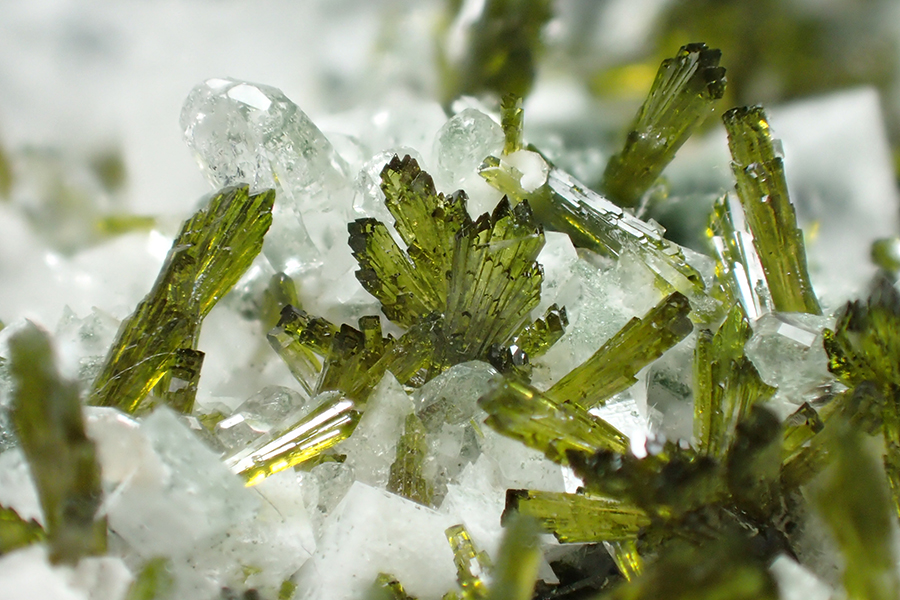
x=786 y=349
x=669 y=391
x=83 y=342
x=462 y=144
x=257 y=415
x=242 y=132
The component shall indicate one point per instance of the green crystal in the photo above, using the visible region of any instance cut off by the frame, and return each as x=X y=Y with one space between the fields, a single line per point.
x=855 y=502
x=406 y=476
x=280 y=292
x=511 y=118
x=208 y=256
x=518 y=561
x=613 y=367
x=762 y=188
x=578 y=518
x=16 y=532
x=475 y=282
x=627 y=558
x=386 y=587
x=667 y=484
x=472 y=566
x=724 y=569
x=682 y=96
x=302 y=342
x=501 y=49
x=46 y=412
x=553 y=427
x=178 y=387
x=154 y=582
x=754 y=463
x=297 y=440
x=726 y=384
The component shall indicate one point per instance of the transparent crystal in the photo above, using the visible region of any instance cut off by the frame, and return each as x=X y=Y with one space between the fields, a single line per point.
x=462 y=144
x=257 y=415
x=786 y=349
x=669 y=389
x=373 y=446
x=242 y=132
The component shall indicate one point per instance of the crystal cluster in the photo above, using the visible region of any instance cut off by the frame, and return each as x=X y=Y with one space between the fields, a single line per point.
x=458 y=372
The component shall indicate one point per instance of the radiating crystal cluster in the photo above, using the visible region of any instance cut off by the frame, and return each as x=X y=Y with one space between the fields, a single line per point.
x=433 y=355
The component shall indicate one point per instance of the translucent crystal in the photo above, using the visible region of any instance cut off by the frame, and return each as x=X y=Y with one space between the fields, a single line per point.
x=210 y=254
x=83 y=343
x=29 y=574
x=247 y=133
x=256 y=416
x=670 y=392
x=329 y=418
x=613 y=367
x=177 y=484
x=462 y=143
x=373 y=446
x=472 y=566
x=787 y=351
x=796 y=582
x=372 y=532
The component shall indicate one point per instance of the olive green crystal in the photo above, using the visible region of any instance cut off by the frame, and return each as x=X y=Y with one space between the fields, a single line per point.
x=682 y=96
x=500 y=51
x=613 y=367
x=762 y=189
x=208 y=256
x=46 y=412
x=855 y=502
x=16 y=532
x=387 y=587
x=553 y=427
x=518 y=560
x=406 y=475
x=511 y=118
x=578 y=518
x=154 y=581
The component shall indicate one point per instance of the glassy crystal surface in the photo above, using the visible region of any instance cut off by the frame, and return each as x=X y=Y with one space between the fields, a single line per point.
x=681 y=97
x=763 y=191
x=245 y=133
x=257 y=416
x=212 y=251
x=178 y=485
x=462 y=143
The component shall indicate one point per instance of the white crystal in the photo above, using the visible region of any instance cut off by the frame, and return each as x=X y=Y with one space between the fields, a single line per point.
x=373 y=446
x=175 y=498
x=17 y=489
x=669 y=391
x=795 y=582
x=371 y=532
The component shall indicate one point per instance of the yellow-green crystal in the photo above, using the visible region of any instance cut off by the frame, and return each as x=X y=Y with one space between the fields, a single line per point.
x=385 y=587
x=854 y=500
x=208 y=256
x=300 y=440
x=612 y=369
x=682 y=96
x=406 y=475
x=553 y=427
x=578 y=518
x=511 y=119
x=518 y=561
x=16 y=532
x=762 y=188
x=46 y=412
x=472 y=566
